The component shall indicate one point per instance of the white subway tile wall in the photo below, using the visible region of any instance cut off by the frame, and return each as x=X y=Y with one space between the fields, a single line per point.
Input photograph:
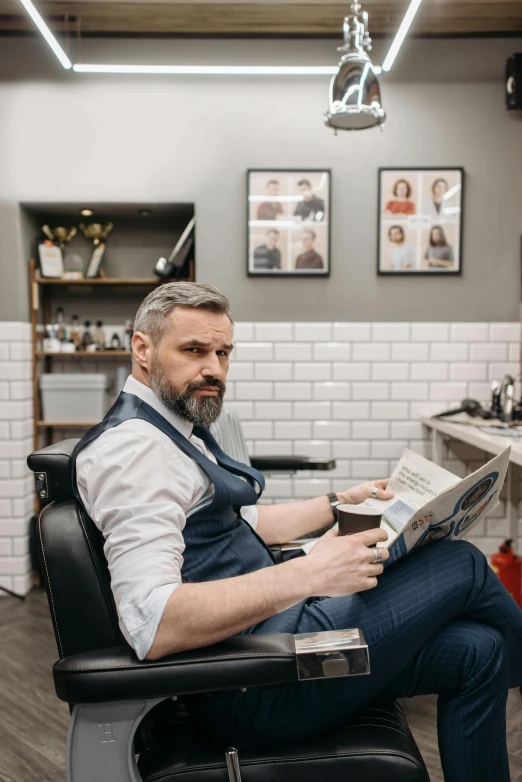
x=349 y=391
x=16 y=442
x=356 y=391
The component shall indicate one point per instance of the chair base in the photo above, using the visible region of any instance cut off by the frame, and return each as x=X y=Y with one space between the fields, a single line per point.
x=375 y=746
x=100 y=742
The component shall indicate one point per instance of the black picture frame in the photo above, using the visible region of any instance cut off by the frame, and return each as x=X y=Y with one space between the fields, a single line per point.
x=303 y=240
x=419 y=223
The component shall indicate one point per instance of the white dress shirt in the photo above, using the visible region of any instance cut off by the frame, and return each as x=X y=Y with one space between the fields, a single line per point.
x=139 y=488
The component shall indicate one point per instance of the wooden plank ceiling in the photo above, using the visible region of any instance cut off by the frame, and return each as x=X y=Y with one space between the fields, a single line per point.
x=283 y=18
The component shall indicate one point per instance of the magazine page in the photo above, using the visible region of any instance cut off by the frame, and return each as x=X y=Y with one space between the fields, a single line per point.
x=415 y=481
x=454 y=512
x=450 y=515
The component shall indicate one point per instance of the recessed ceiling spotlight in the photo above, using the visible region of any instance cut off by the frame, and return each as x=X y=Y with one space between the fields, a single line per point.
x=86 y=212
x=144 y=212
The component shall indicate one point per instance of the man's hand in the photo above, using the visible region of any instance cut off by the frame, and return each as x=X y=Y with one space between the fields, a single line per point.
x=290 y=521
x=360 y=493
x=343 y=565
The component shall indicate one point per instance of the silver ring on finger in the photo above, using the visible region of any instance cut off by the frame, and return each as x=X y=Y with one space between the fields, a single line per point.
x=374 y=492
x=377 y=553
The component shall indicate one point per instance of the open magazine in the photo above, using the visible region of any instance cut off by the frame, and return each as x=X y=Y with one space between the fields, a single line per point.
x=431 y=503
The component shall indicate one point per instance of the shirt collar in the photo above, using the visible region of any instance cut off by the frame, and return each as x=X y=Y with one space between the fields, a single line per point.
x=133 y=386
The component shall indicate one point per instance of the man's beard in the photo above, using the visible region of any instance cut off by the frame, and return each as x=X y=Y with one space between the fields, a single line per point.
x=200 y=411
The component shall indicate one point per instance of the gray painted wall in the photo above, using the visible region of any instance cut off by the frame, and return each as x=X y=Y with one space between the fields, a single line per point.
x=70 y=137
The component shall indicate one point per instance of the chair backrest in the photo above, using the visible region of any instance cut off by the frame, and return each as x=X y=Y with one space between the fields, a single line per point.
x=73 y=563
x=229 y=434
x=70 y=546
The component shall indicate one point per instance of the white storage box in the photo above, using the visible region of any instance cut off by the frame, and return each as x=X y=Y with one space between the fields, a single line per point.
x=74 y=397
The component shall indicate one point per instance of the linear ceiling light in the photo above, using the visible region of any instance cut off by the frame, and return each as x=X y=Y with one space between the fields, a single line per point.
x=202 y=70
x=225 y=70
x=47 y=34
x=401 y=34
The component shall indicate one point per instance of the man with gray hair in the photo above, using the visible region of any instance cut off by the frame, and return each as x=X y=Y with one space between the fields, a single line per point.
x=190 y=563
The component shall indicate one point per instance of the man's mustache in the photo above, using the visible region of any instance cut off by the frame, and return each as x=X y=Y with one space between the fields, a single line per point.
x=209 y=382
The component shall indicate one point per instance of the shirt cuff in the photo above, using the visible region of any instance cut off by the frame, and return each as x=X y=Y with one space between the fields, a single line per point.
x=250 y=513
x=141 y=636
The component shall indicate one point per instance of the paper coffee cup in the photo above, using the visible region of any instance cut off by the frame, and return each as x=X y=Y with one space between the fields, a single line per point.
x=356 y=518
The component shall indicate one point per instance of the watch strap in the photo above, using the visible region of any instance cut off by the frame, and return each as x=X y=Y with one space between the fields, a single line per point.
x=334 y=502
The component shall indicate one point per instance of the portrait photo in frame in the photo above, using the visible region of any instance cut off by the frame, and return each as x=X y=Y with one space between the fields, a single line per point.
x=288 y=222
x=420 y=220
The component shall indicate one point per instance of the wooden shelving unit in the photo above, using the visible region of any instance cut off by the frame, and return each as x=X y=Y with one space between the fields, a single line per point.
x=143 y=232
x=41 y=291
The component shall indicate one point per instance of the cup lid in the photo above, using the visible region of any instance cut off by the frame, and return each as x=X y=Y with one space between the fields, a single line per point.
x=362 y=510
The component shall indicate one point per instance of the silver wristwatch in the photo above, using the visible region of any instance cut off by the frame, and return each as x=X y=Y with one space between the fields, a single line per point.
x=334 y=502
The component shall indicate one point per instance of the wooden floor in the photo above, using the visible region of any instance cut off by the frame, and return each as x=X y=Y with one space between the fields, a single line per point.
x=33 y=723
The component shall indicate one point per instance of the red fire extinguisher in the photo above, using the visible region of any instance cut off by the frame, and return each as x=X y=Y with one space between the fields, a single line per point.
x=508 y=568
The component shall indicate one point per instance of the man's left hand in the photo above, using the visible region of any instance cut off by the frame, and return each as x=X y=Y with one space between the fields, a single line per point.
x=360 y=493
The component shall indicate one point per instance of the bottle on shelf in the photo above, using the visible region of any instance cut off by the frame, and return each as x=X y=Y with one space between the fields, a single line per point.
x=60 y=327
x=51 y=343
x=115 y=342
x=129 y=330
x=87 y=335
x=99 y=335
x=75 y=332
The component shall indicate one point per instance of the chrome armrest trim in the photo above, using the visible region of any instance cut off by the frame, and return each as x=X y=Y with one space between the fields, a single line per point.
x=331 y=654
x=40 y=481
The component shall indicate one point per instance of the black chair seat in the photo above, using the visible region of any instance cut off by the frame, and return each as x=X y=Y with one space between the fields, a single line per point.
x=375 y=746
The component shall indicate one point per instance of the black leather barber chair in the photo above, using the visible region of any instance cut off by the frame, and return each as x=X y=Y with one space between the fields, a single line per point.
x=128 y=722
x=229 y=433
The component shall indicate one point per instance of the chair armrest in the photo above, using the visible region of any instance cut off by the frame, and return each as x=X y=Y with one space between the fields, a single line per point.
x=116 y=674
x=290 y=463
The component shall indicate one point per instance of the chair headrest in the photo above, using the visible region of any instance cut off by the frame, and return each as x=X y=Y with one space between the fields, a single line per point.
x=52 y=467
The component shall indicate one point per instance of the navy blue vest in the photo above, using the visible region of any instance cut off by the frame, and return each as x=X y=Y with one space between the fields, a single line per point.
x=219 y=543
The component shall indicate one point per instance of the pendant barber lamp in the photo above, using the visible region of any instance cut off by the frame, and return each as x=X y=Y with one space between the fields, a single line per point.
x=355 y=95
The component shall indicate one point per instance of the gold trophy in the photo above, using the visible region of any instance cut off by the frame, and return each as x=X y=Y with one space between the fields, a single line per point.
x=59 y=234
x=97 y=233
x=51 y=250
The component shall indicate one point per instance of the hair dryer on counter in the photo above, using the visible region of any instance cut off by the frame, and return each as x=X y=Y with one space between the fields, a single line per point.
x=503 y=405
x=469 y=406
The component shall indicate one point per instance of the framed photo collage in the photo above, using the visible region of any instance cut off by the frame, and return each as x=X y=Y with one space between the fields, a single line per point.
x=289 y=222
x=420 y=221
